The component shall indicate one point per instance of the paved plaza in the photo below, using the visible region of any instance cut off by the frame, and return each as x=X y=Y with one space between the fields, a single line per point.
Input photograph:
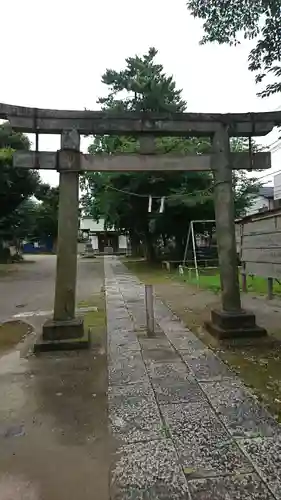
x=151 y=419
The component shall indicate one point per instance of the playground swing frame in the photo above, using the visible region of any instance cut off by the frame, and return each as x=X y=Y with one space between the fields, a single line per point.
x=191 y=235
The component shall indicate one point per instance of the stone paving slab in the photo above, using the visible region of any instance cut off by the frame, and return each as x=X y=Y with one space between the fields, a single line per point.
x=169 y=391
x=186 y=342
x=134 y=414
x=203 y=444
x=117 y=313
x=114 y=303
x=124 y=359
x=239 y=411
x=265 y=454
x=118 y=331
x=126 y=376
x=205 y=365
x=147 y=471
x=166 y=355
x=176 y=371
x=238 y=487
x=171 y=327
x=126 y=369
x=121 y=344
x=120 y=324
x=143 y=390
x=155 y=343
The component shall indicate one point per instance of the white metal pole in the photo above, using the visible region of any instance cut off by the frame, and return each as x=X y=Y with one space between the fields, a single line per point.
x=194 y=252
x=186 y=245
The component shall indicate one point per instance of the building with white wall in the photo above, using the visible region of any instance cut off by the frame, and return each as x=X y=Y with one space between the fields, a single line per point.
x=102 y=239
x=262 y=201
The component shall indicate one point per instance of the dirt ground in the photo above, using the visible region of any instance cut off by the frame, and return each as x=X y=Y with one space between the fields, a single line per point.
x=200 y=302
x=54 y=437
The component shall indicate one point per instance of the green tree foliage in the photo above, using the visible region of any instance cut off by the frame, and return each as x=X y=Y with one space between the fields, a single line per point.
x=46 y=216
x=28 y=207
x=19 y=224
x=225 y=21
x=35 y=218
x=146 y=85
x=122 y=198
x=15 y=184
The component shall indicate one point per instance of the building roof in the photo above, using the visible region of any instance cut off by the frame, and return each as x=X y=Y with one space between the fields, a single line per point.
x=259 y=215
x=267 y=191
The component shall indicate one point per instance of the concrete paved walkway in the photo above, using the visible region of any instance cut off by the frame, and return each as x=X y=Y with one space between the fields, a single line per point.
x=187 y=428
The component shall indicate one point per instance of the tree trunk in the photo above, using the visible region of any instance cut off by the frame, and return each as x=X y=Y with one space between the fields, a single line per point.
x=180 y=247
x=5 y=254
x=135 y=244
x=150 y=253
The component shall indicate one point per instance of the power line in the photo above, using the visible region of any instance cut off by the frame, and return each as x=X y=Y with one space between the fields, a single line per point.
x=273 y=144
x=277 y=147
x=268 y=175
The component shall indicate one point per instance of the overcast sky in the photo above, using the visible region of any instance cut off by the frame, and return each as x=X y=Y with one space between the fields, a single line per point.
x=55 y=52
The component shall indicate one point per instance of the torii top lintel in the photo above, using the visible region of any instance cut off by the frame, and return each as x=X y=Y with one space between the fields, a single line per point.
x=53 y=121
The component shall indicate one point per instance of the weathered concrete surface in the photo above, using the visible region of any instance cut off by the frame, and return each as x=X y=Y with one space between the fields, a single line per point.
x=207 y=447
x=53 y=427
x=54 y=437
x=32 y=287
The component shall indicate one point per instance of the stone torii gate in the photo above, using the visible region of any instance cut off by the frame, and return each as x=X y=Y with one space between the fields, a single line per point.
x=65 y=330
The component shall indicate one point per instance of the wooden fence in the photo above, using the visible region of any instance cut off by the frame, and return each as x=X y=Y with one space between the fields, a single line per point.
x=258 y=239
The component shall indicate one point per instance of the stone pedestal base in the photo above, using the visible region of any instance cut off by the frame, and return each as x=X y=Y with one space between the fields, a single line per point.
x=62 y=336
x=231 y=325
x=61 y=330
x=62 y=345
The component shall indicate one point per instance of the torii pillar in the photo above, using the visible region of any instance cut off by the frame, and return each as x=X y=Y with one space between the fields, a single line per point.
x=65 y=330
x=231 y=321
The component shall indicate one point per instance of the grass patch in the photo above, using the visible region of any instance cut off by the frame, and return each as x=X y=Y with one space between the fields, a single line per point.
x=91 y=302
x=148 y=273
x=95 y=321
x=210 y=279
x=207 y=281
